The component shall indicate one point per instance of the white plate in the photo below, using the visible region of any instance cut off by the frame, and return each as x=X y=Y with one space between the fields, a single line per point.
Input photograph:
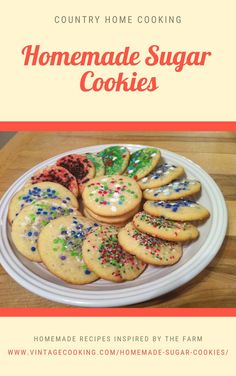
x=155 y=281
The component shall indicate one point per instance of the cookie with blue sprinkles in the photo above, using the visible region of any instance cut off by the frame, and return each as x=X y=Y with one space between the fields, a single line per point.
x=29 y=194
x=163 y=174
x=180 y=210
x=173 y=191
x=31 y=220
x=60 y=247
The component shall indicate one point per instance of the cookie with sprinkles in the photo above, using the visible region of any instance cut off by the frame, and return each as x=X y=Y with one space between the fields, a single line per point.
x=111 y=196
x=31 y=220
x=142 y=162
x=104 y=255
x=97 y=160
x=111 y=220
x=29 y=194
x=58 y=175
x=79 y=166
x=115 y=159
x=162 y=175
x=165 y=228
x=173 y=191
x=180 y=210
x=60 y=248
x=148 y=248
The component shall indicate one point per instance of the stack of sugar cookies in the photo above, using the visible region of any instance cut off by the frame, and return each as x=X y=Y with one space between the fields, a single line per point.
x=112 y=199
x=133 y=212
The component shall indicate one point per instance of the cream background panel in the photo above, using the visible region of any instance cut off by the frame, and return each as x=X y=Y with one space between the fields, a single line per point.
x=216 y=335
x=53 y=93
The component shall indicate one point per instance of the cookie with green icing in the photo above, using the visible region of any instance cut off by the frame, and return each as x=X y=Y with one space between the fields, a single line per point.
x=174 y=191
x=148 y=248
x=104 y=255
x=142 y=162
x=60 y=248
x=115 y=159
x=112 y=195
x=31 y=220
x=98 y=163
x=180 y=210
x=29 y=194
x=165 y=228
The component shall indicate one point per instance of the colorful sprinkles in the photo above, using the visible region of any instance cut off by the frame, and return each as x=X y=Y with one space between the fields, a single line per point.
x=70 y=240
x=42 y=212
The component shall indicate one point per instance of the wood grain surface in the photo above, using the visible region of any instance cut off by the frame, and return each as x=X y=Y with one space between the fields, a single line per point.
x=213 y=151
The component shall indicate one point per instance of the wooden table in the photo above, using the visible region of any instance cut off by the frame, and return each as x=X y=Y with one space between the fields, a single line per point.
x=214 y=151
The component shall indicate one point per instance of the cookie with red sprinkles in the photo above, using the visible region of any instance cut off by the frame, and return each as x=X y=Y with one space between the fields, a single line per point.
x=112 y=196
x=79 y=166
x=58 y=175
x=165 y=228
x=148 y=248
x=104 y=255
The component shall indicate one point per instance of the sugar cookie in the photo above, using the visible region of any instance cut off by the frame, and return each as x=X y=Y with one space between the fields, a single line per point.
x=104 y=255
x=111 y=220
x=32 y=193
x=142 y=162
x=115 y=159
x=30 y=221
x=58 y=175
x=60 y=248
x=162 y=175
x=79 y=166
x=148 y=248
x=112 y=195
x=98 y=163
x=181 y=210
x=173 y=191
x=165 y=228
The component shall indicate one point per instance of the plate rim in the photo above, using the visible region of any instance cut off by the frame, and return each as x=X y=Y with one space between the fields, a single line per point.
x=46 y=289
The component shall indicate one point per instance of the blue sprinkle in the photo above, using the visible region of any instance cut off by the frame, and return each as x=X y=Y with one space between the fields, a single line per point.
x=87 y=271
x=30 y=233
x=62 y=257
x=33 y=249
x=45 y=213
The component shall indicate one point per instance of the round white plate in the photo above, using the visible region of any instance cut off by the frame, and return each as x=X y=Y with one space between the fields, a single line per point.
x=155 y=281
